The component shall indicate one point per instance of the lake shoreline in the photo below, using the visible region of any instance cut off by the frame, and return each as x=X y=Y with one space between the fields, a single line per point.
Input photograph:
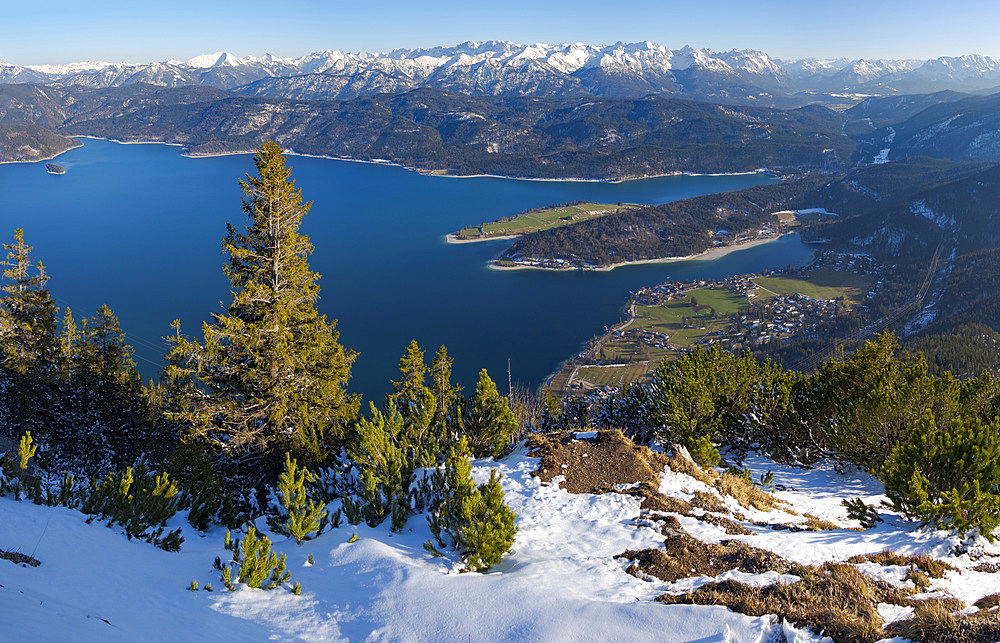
x=47 y=158
x=707 y=255
x=425 y=172
x=453 y=238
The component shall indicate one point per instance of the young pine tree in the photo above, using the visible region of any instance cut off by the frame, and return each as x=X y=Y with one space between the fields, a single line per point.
x=417 y=405
x=268 y=376
x=299 y=515
x=446 y=395
x=489 y=422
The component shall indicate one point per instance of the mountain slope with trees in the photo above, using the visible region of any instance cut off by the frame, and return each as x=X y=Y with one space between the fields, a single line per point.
x=433 y=130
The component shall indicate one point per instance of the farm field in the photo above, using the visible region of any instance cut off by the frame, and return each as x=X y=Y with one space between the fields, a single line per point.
x=818 y=284
x=539 y=219
x=617 y=375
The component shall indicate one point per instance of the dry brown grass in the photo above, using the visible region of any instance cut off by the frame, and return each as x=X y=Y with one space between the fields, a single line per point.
x=931 y=621
x=988 y=602
x=708 y=502
x=684 y=557
x=987 y=568
x=812 y=523
x=680 y=464
x=836 y=599
x=931 y=566
x=595 y=465
x=919 y=579
x=746 y=493
x=936 y=622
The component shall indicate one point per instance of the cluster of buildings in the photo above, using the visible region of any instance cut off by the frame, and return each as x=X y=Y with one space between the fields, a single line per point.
x=786 y=315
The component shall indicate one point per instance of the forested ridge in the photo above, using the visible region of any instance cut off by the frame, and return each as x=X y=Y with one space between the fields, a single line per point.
x=604 y=138
x=874 y=205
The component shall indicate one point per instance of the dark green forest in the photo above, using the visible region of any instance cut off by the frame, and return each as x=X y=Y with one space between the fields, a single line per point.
x=600 y=138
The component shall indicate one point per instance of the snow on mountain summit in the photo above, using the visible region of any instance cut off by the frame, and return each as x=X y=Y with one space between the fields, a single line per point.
x=206 y=61
x=505 y=68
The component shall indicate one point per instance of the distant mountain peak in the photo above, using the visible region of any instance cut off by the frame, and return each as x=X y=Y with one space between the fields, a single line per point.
x=502 y=67
x=206 y=61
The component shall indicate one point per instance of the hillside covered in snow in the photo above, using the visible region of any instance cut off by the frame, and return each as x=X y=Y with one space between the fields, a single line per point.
x=607 y=534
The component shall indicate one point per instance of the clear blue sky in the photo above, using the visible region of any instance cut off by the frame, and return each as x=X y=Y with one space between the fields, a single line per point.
x=55 y=31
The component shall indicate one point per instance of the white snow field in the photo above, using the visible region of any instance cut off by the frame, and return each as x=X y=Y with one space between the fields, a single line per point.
x=561 y=582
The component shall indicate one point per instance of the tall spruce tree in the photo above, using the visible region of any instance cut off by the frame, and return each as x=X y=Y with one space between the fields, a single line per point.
x=268 y=377
x=29 y=348
x=27 y=313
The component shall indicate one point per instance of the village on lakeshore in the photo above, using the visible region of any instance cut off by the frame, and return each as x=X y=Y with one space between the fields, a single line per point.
x=736 y=313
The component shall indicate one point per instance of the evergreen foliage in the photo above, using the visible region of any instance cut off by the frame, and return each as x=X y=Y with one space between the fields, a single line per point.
x=489 y=422
x=76 y=390
x=268 y=377
x=103 y=418
x=487 y=529
x=447 y=396
x=15 y=474
x=858 y=510
x=28 y=347
x=476 y=521
x=385 y=472
x=423 y=429
x=864 y=402
x=947 y=474
x=256 y=564
x=138 y=501
x=25 y=451
x=703 y=452
x=298 y=514
x=730 y=399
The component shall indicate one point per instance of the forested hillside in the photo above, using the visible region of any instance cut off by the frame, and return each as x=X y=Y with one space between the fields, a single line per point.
x=877 y=207
x=433 y=130
x=31 y=143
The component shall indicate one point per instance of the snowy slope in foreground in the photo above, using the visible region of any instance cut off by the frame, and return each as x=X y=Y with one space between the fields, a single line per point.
x=561 y=582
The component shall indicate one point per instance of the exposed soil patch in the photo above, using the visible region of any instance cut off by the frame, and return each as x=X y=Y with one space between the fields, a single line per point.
x=609 y=459
x=731 y=527
x=686 y=557
x=595 y=465
x=653 y=500
x=18 y=558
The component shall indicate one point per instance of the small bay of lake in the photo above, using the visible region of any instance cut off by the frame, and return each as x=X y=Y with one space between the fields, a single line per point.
x=139 y=227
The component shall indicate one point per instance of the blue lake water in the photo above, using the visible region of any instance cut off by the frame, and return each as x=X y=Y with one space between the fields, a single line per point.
x=139 y=227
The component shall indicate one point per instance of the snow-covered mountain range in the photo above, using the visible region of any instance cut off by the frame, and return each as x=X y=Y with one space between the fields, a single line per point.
x=506 y=69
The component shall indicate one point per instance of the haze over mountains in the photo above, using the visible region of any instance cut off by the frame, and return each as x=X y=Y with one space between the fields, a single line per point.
x=499 y=68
